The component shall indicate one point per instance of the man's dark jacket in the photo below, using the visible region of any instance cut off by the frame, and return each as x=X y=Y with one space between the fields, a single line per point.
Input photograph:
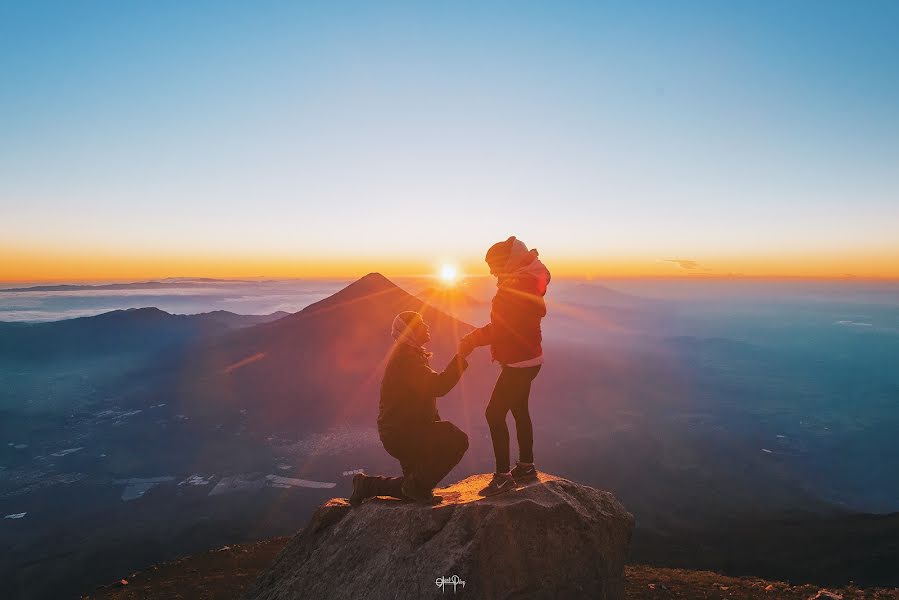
x=410 y=389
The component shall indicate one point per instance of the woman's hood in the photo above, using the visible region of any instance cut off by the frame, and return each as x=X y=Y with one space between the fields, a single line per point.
x=534 y=267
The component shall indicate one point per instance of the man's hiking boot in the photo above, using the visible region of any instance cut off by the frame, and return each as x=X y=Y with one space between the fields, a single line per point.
x=524 y=472
x=360 y=491
x=414 y=492
x=501 y=482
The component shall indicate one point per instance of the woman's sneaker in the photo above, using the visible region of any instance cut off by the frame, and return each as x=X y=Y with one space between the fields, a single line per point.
x=524 y=472
x=501 y=482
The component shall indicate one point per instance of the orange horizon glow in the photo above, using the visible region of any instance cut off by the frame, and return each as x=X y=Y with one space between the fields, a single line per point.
x=56 y=266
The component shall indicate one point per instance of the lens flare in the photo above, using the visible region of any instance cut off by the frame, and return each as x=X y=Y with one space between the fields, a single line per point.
x=449 y=274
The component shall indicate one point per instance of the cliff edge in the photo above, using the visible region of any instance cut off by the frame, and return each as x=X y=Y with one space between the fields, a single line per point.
x=553 y=538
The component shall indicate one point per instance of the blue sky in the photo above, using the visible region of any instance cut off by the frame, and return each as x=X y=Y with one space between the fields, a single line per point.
x=612 y=136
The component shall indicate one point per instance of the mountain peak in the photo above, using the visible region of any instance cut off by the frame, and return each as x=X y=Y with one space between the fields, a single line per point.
x=369 y=287
x=369 y=284
x=554 y=538
x=375 y=279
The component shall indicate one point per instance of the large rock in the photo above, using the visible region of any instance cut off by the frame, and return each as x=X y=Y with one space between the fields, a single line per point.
x=550 y=539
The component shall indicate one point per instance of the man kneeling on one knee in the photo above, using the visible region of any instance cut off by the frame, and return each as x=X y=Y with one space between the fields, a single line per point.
x=408 y=422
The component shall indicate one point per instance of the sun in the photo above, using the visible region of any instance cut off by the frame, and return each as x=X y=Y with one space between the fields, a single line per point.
x=449 y=274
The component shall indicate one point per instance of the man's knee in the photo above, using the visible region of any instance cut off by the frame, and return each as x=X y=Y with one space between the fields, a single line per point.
x=455 y=438
x=459 y=448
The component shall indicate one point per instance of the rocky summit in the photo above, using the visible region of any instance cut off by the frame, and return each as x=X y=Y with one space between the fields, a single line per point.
x=553 y=538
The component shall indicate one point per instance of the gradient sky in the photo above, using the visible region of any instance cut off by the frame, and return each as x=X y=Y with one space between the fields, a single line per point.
x=143 y=139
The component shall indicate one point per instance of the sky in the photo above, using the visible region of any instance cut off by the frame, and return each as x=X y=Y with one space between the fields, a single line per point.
x=153 y=139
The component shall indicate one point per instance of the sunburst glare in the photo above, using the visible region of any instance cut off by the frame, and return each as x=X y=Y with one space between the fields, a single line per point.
x=449 y=274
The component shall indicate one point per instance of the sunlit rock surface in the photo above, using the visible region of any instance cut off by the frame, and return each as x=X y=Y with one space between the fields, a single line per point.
x=551 y=539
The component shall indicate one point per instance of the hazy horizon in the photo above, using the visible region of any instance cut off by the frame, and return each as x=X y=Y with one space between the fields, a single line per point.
x=194 y=295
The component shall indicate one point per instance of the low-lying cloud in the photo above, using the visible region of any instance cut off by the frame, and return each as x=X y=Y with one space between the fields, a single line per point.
x=684 y=263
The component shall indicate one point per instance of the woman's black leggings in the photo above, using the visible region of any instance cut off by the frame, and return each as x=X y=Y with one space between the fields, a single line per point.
x=511 y=393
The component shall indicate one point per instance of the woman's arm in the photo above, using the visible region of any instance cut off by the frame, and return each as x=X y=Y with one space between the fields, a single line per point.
x=478 y=337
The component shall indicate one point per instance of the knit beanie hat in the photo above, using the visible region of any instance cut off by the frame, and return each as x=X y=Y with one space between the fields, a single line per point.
x=506 y=255
x=404 y=326
x=403 y=322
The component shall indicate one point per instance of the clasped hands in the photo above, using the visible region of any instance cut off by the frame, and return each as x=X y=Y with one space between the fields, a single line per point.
x=466 y=347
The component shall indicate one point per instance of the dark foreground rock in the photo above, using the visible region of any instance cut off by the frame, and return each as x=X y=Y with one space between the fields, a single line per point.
x=550 y=539
x=222 y=575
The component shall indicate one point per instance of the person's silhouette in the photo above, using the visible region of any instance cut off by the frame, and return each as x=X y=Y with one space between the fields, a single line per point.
x=515 y=338
x=408 y=422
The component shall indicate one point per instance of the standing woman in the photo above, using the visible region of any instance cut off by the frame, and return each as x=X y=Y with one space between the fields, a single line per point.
x=515 y=340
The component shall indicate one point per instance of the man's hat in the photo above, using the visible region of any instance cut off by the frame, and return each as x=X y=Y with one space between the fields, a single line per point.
x=403 y=323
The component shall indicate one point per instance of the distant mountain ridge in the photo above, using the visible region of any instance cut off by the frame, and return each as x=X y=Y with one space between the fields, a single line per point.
x=134 y=329
x=137 y=285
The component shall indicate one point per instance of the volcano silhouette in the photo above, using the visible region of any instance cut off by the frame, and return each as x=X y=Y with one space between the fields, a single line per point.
x=315 y=368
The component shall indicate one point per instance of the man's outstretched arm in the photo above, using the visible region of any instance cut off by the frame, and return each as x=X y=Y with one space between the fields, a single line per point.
x=431 y=384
